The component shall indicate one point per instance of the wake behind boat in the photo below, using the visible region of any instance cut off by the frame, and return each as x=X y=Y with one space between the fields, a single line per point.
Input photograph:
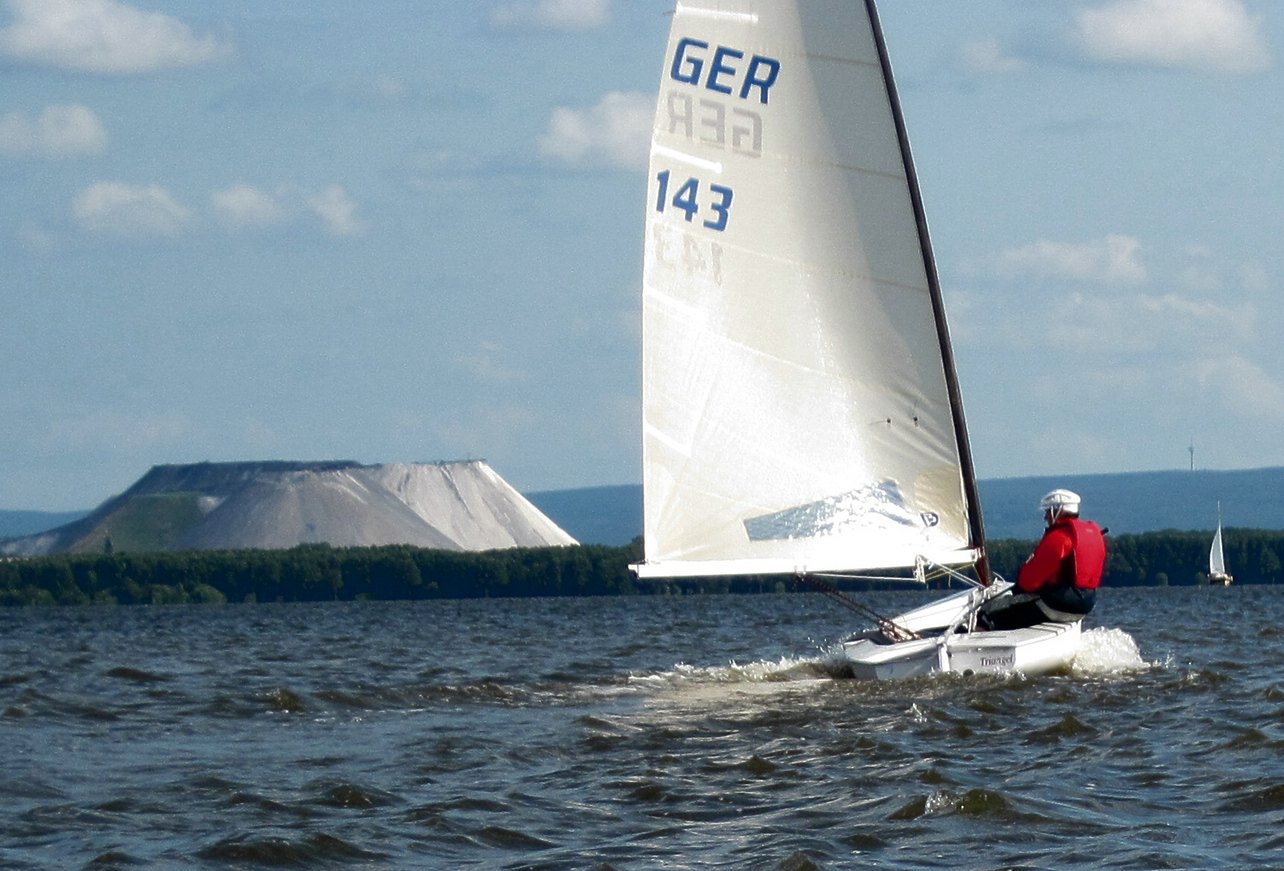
x=801 y=410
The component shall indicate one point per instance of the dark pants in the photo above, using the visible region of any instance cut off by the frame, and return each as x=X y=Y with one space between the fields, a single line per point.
x=1019 y=610
x=1012 y=612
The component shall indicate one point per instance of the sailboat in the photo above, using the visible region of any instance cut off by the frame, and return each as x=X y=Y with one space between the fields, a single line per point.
x=801 y=410
x=1217 y=574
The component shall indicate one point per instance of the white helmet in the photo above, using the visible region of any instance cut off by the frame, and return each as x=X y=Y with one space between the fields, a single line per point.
x=1060 y=502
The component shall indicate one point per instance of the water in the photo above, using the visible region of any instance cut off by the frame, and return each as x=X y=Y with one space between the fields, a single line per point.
x=702 y=732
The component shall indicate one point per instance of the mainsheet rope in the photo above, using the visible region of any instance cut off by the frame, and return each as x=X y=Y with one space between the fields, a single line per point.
x=886 y=625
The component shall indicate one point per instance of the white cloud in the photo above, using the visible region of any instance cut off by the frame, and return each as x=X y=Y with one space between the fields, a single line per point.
x=1095 y=315
x=102 y=36
x=552 y=14
x=616 y=131
x=130 y=210
x=1253 y=277
x=485 y=363
x=1200 y=278
x=337 y=211
x=1112 y=260
x=58 y=131
x=1202 y=35
x=36 y=240
x=1241 y=387
x=1106 y=326
x=243 y=205
x=131 y=430
x=987 y=56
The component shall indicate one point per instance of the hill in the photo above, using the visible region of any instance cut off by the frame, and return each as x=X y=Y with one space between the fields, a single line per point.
x=1131 y=502
x=1136 y=502
x=600 y=515
x=216 y=506
x=14 y=523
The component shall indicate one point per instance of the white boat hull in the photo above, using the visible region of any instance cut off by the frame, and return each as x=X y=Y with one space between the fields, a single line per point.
x=941 y=649
x=1036 y=650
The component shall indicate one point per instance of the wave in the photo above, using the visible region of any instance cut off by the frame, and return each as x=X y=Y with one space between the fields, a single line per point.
x=287 y=851
x=783 y=670
x=1105 y=651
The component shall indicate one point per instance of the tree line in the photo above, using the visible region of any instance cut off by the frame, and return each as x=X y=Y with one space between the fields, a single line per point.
x=319 y=572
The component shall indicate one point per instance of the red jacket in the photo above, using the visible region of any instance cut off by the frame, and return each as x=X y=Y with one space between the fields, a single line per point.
x=1072 y=552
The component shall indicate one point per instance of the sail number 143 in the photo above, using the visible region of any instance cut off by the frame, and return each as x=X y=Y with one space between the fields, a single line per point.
x=687 y=196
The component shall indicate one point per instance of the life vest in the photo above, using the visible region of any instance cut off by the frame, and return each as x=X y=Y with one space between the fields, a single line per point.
x=1084 y=566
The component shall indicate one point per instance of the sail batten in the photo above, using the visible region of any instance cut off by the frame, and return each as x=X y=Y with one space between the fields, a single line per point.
x=799 y=402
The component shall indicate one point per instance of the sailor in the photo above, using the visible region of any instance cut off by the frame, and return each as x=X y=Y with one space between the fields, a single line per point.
x=1059 y=581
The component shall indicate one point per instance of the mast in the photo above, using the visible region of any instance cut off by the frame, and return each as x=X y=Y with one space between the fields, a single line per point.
x=976 y=524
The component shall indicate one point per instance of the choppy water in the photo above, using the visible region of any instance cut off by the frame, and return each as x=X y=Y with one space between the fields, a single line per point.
x=701 y=732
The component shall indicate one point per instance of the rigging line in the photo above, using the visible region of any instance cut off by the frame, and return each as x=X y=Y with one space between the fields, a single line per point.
x=889 y=627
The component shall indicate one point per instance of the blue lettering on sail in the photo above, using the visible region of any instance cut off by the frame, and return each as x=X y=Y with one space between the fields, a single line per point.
x=688 y=199
x=724 y=71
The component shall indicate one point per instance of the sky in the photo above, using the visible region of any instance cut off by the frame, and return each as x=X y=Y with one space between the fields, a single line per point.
x=411 y=230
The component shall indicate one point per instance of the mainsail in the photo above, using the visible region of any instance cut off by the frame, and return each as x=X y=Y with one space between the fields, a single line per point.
x=800 y=407
x=1216 y=559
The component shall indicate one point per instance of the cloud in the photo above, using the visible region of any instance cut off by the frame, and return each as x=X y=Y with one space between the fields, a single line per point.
x=336 y=211
x=484 y=363
x=35 y=240
x=102 y=36
x=1112 y=260
x=551 y=15
x=58 y=131
x=1253 y=277
x=615 y=132
x=246 y=207
x=1241 y=386
x=1234 y=323
x=1200 y=35
x=135 y=429
x=129 y=210
x=243 y=205
x=1106 y=325
x=987 y=56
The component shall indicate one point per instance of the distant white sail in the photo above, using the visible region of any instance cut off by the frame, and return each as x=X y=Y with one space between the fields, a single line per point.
x=1216 y=559
x=799 y=412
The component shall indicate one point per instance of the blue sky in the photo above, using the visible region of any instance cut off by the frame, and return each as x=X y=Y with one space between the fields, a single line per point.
x=411 y=230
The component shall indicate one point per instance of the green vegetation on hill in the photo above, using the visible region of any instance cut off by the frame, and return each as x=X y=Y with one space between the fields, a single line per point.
x=151 y=522
x=318 y=572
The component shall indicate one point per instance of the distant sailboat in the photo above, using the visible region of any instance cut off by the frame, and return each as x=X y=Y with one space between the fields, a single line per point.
x=1217 y=574
x=801 y=413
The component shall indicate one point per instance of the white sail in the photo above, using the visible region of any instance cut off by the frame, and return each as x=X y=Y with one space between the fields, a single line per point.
x=799 y=412
x=1216 y=560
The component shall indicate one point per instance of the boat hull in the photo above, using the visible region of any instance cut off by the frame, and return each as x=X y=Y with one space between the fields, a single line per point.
x=1034 y=650
x=944 y=644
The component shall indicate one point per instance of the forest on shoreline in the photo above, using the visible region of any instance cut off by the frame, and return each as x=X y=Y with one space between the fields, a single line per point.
x=319 y=572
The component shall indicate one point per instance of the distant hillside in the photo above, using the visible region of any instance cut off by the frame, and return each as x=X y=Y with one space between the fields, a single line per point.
x=612 y=515
x=1135 y=502
x=215 y=506
x=1125 y=502
x=26 y=522
x=599 y=515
